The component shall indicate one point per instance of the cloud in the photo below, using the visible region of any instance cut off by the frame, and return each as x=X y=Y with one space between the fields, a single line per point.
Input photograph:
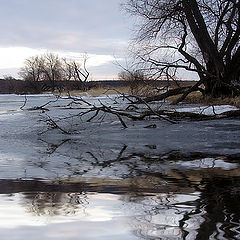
x=14 y=57
x=73 y=25
x=65 y=27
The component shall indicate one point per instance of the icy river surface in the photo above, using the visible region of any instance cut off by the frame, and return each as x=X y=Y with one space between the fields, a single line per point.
x=152 y=180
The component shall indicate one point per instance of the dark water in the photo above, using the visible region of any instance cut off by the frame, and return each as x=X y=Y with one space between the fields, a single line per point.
x=196 y=198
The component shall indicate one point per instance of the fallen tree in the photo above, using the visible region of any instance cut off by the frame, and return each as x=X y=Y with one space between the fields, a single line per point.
x=86 y=111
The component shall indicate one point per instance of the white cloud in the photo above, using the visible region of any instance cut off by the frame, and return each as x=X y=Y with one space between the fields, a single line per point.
x=87 y=26
x=14 y=57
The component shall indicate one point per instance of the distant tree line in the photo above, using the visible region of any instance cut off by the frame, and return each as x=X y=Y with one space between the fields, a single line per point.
x=52 y=71
x=48 y=72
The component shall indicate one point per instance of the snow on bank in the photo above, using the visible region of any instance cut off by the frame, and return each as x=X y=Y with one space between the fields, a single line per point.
x=208 y=110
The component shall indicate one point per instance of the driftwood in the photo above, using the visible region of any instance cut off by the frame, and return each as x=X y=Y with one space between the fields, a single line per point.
x=42 y=107
x=88 y=112
x=169 y=93
x=171 y=115
x=53 y=125
x=195 y=87
x=164 y=157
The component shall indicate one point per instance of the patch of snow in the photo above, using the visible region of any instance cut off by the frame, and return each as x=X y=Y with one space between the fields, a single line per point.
x=208 y=163
x=208 y=110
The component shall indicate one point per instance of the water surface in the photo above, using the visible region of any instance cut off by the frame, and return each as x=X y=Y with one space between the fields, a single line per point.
x=103 y=182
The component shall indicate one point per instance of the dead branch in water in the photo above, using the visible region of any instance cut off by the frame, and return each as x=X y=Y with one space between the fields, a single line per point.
x=88 y=111
x=54 y=125
x=42 y=107
x=25 y=101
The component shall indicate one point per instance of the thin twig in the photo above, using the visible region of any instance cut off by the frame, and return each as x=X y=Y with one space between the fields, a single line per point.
x=55 y=125
x=25 y=101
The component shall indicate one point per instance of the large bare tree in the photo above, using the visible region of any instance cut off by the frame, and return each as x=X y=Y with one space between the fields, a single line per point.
x=200 y=36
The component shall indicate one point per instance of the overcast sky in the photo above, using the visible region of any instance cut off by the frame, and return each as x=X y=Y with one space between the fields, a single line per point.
x=67 y=27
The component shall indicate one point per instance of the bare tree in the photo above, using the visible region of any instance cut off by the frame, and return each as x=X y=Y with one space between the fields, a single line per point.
x=67 y=69
x=75 y=71
x=200 y=36
x=136 y=80
x=46 y=68
x=80 y=71
x=51 y=69
x=32 y=70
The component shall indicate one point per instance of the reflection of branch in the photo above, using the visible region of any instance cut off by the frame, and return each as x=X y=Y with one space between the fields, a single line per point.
x=93 y=156
x=121 y=152
x=53 y=147
x=25 y=101
x=109 y=162
x=54 y=125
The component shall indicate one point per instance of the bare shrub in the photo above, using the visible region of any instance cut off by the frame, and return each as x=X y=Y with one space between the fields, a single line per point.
x=139 y=84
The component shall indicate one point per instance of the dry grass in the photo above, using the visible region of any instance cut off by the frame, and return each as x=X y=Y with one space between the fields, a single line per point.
x=235 y=101
x=198 y=98
x=98 y=91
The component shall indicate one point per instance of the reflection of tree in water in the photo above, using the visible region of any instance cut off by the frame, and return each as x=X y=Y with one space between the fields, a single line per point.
x=168 y=213
x=48 y=197
x=213 y=213
x=78 y=159
x=55 y=203
x=220 y=202
x=162 y=216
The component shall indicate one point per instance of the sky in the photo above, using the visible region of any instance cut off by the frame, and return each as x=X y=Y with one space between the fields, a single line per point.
x=68 y=28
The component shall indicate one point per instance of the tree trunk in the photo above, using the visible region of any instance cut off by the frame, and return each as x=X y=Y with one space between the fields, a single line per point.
x=215 y=88
x=218 y=86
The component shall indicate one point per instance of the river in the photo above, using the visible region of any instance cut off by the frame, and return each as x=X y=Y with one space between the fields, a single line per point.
x=105 y=182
